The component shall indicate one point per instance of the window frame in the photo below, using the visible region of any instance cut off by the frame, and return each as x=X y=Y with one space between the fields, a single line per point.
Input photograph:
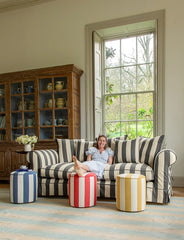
x=159 y=16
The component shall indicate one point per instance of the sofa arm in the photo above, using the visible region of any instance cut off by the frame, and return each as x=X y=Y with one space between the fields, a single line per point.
x=162 y=170
x=40 y=158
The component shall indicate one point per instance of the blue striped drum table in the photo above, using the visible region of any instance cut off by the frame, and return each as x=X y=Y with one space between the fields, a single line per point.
x=131 y=192
x=23 y=186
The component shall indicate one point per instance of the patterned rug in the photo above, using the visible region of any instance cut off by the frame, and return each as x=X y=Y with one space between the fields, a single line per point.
x=51 y=218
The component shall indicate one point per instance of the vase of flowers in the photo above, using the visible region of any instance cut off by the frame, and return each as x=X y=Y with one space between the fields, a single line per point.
x=28 y=141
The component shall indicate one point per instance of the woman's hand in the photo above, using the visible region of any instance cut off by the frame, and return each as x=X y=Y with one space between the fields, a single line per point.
x=89 y=157
x=110 y=160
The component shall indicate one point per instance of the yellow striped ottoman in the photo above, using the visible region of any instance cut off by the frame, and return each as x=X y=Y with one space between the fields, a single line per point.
x=131 y=192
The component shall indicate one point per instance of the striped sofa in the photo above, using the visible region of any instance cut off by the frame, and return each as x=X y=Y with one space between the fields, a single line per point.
x=141 y=155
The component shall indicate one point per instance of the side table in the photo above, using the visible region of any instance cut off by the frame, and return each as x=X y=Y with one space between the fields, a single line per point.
x=22 y=152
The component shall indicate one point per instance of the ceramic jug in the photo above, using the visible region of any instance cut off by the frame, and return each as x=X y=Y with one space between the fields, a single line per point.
x=49 y=86
x=59 y=85
x=31 y=105
x=60 y=102
x=50 y=103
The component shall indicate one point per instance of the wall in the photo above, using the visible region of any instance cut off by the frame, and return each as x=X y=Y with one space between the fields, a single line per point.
x=53 y=33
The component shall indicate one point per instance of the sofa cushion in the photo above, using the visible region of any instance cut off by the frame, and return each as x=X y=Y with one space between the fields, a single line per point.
x=59 y=170
x=149 y=147
x=127 y=151
x=65 y=150
x=111 y=141
x=82 y=146
x=111 y=171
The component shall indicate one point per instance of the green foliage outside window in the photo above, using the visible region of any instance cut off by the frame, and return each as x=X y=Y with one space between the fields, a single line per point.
x=136 y=110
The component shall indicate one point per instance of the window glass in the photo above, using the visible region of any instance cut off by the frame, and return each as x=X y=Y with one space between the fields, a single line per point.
x=129 y=86
x=112 y=53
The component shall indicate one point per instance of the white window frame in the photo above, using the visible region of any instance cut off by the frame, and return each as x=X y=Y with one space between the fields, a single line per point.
x=159 y=16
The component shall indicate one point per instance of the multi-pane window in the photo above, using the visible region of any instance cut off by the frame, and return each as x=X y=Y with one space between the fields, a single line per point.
x=129 y=86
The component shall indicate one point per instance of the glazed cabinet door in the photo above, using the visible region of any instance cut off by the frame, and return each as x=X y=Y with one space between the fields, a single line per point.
x=53 y=109
x=22 y=109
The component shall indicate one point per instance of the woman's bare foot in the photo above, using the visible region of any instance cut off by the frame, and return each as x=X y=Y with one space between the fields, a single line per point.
x=80 y=172
x=77 y=163
x=79 y=167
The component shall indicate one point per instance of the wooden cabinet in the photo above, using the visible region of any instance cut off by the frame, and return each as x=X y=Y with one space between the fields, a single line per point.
x=43 y=102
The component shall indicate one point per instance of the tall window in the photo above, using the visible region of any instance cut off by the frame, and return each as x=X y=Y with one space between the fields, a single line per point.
x=129 y=85
x=125 y=76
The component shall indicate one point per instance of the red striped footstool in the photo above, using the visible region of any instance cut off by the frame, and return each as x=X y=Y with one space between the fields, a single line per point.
x=131 y=192
x=82 y=190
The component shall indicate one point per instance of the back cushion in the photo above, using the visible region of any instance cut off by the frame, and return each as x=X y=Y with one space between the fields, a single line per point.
x=65 y=150
x=81 y=146
x=149 y=147
x=111 y=141
x=127 y=151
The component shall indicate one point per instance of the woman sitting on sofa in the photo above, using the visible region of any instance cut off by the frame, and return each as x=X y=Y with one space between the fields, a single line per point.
x=97 y=158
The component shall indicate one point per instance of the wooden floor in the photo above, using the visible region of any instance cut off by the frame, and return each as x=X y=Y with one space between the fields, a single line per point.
x=177 y=192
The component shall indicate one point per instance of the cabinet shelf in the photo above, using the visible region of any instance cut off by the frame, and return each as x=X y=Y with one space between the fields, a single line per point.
x=21 y=111
x=46 y=126
x=56 y=91
x=14 y=128
x=24 y=94
x=63 y=126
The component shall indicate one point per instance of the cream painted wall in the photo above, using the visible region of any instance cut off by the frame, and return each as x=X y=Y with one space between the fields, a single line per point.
x=53 y=33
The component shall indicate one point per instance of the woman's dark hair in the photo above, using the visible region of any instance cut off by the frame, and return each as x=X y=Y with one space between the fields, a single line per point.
x=104 y=136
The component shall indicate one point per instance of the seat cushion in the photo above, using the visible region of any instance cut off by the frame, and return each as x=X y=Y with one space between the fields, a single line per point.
x=62 y=170
x=59 y=170
x=111 y=171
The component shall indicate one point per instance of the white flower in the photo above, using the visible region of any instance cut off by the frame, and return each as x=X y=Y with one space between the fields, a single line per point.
x=25 y=139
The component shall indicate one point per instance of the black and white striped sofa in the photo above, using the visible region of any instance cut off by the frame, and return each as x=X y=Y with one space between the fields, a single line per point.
x=141 y=156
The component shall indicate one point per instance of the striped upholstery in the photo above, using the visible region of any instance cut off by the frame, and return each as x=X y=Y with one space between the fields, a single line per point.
x=41 y=158
x=65 y=149
x=131 y=192
x=127 y=151
x=81 y=147
x=82 y=190
x=149 y=147
x=62 y=170
x=53 y=187
x=112 y=171
x=111 y=141
x=59 y=170
x=158 y=190
x=162 y=170
x=23 y=186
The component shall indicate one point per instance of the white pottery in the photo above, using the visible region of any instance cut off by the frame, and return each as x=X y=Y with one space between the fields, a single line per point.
x=27 y=147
